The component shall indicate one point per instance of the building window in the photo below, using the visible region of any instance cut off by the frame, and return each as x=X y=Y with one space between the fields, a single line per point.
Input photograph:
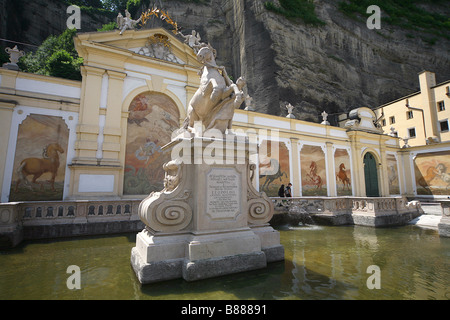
x=441 y=106
x=391 y=120
x=383 y=122
x=412 y=132
x=444 y=125
x=409 y=115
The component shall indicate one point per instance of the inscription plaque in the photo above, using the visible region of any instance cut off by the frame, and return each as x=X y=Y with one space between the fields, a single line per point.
x=223 y=193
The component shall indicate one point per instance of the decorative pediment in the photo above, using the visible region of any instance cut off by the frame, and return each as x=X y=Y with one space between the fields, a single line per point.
x=157 y=44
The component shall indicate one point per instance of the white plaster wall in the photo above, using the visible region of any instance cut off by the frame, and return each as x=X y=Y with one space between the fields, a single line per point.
x=48 y=88
x=272 y=123
x=96 y=183
x=310 y=129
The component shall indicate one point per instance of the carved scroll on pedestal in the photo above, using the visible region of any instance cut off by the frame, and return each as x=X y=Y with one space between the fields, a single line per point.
x=260 y=207
x=168 y=210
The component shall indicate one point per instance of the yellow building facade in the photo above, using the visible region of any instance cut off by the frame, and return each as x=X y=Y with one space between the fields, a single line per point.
x=420 y=118
x=101 y=138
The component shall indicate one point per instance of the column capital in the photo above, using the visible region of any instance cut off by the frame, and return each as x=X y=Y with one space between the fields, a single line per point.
x=85 y=70
x=116 y=74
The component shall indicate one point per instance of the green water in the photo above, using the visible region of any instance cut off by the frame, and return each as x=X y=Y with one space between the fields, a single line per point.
x=321 y=263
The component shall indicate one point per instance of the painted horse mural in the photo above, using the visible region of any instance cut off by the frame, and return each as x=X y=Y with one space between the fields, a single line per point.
x=342 y=176
x=38 y=166
x=315 y=178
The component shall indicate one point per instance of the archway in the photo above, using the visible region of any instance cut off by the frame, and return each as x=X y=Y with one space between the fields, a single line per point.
x=152 y=119
x=371 y=175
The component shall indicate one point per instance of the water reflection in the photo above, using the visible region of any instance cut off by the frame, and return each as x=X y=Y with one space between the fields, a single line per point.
x=321 y=263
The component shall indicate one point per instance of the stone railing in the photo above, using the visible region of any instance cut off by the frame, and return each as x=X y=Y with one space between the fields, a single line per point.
x=333 y=205
x=81 y=211
x=347 y=210
x=34 y=220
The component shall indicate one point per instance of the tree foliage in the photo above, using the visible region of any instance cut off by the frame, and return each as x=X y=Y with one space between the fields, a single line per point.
x=56 y=56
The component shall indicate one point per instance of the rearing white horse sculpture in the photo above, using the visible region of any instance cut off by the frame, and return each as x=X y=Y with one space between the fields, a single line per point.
x=217 y=97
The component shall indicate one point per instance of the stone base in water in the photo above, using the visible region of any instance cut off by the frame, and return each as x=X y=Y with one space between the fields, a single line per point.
x=201 y=256
x=444 y=227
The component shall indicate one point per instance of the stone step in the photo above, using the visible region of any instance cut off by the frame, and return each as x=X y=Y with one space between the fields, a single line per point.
x=426 y=221
x=430 y=208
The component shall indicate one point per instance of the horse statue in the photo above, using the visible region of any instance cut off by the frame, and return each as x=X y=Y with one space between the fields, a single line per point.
x=38 y=166
x=342 y=175
x=217 y=97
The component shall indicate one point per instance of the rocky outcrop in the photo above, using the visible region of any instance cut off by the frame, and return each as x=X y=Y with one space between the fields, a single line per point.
x=336 y=67
x=31 y=22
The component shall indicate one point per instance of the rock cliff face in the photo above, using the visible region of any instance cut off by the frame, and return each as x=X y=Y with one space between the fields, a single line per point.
x=31 y=22
x=335 y=67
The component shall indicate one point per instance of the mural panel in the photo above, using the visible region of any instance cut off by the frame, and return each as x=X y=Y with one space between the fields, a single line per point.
x=152 y=119
x=313 y=171
x=40 y=159
x=394 y=186
x=273 y=167
x=343 y=172
x=433 y=173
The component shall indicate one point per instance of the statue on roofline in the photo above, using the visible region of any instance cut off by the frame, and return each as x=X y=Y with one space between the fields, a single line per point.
x=193 y=40
x=127 y=22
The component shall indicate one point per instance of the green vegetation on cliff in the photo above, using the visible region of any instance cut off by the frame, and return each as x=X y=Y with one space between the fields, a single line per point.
x=296 y=9
x=407 y=14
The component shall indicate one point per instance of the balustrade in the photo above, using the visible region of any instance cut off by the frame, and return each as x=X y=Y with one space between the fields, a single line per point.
x=350 y=205
x=35 y=213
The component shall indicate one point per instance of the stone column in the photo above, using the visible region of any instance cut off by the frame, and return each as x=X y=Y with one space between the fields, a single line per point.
x=6 y=112
x=383 y=171
x=296 y=183
x=331 y=170
x=358 y=165
x=88 y=127
x=112 y=131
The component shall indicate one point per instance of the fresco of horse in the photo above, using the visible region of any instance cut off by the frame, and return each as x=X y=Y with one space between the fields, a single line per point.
x=313 y=171
x=431 y=173
x=40 y=159
x=343 y=172
x=38 y=166
x=394 y=187
x=342 y=177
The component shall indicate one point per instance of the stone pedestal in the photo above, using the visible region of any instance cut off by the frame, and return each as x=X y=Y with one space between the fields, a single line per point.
x=209 y=220
x=444 y=224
